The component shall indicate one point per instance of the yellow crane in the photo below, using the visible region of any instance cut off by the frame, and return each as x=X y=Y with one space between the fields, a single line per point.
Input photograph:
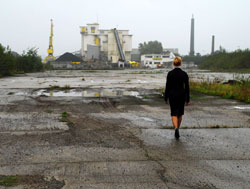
x=50 y=56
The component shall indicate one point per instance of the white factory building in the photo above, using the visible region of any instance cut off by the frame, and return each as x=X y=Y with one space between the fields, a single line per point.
x=100 y=43
x=157 y=60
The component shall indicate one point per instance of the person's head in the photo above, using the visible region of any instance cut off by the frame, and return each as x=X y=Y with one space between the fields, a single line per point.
x=177 y=61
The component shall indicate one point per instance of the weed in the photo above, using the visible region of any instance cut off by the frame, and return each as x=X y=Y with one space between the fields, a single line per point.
x=8 y=180
x=54 y=87
x=66 y=87
x=83 y=79
x=89 y=70
x=65 y=115
x=11 y=93
x=48 y=111
x=239 y=90
x=62 y=120
x=128 y=80
x=70 y=124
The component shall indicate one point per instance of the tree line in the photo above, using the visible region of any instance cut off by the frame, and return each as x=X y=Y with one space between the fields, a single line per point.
x=222 y=60
x=12 y=63
x=239 y=59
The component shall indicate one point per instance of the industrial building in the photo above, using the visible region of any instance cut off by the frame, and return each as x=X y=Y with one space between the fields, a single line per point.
x=107 y=45
x=157 y=60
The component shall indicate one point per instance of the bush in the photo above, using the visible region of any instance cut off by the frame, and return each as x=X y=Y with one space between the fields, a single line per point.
x=7 y=62
x=30 y=61
x=27 y=62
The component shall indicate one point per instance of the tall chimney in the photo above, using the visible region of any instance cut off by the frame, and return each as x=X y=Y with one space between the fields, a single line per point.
x=191 y=53
x=212 y=52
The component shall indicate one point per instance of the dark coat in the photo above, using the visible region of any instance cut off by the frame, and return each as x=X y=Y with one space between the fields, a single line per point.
x=177 y=85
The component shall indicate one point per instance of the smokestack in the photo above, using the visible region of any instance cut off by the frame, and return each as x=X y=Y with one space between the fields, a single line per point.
x=212 y=52
x=191 y=53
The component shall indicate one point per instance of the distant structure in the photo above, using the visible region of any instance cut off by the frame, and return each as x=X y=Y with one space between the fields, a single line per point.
x=135 y=55
x=109 y=45
x=191 y=53
x=50 y=56
x=173 y=50
x=157 y=60
x=68 y=61
x=212 y=51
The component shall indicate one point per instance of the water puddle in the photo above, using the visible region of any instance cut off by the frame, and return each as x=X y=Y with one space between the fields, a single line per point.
x=242 y=107
x=147 y=119
x=86 y=93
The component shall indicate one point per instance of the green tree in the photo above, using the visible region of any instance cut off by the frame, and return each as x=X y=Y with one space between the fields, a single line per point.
x=152 y=47
x=29 y=61
x=7 y=62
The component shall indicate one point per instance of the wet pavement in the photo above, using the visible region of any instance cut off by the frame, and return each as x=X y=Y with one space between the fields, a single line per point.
x=112 y=129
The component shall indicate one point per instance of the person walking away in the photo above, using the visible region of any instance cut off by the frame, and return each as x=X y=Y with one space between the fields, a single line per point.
x=177 y=92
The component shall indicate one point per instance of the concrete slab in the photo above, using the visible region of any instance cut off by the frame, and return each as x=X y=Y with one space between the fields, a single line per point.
x=208 y=173
x=118 y=140
x=30 y=122
x=196 y=144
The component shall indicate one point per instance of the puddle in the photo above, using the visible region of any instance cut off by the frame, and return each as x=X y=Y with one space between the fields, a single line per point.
x=86 y=93
x=242 y=107
x=142 y=94
x=57 y=93
x=147 y=119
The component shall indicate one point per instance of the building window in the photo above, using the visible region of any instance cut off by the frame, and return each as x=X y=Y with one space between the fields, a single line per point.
x=92 y=29
x=148 y=56
x=165 y=56
x=157 y=56
x=150 y=62
x=157 y=63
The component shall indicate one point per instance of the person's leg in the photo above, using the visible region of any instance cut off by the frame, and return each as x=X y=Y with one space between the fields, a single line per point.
x=179 y=121
x=175 y=122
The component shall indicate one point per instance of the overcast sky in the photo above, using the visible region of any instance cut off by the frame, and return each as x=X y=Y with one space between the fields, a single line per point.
x=26 y=23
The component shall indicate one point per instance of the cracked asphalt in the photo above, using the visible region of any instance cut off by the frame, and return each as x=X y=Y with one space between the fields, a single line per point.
x=116 y=133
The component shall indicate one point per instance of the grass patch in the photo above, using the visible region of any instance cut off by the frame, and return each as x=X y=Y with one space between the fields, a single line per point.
x=146 y=72
x=48 y=111
x=66 y=87
x=19 y=72
x=90 y=71
x=238 y=91
x=57 y=87
x=65 y=114
x=10 y=93
x=8 y=180
x=52 y=87
x=70 y=124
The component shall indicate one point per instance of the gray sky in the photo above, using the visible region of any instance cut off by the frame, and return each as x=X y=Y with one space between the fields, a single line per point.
x=26 y=23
